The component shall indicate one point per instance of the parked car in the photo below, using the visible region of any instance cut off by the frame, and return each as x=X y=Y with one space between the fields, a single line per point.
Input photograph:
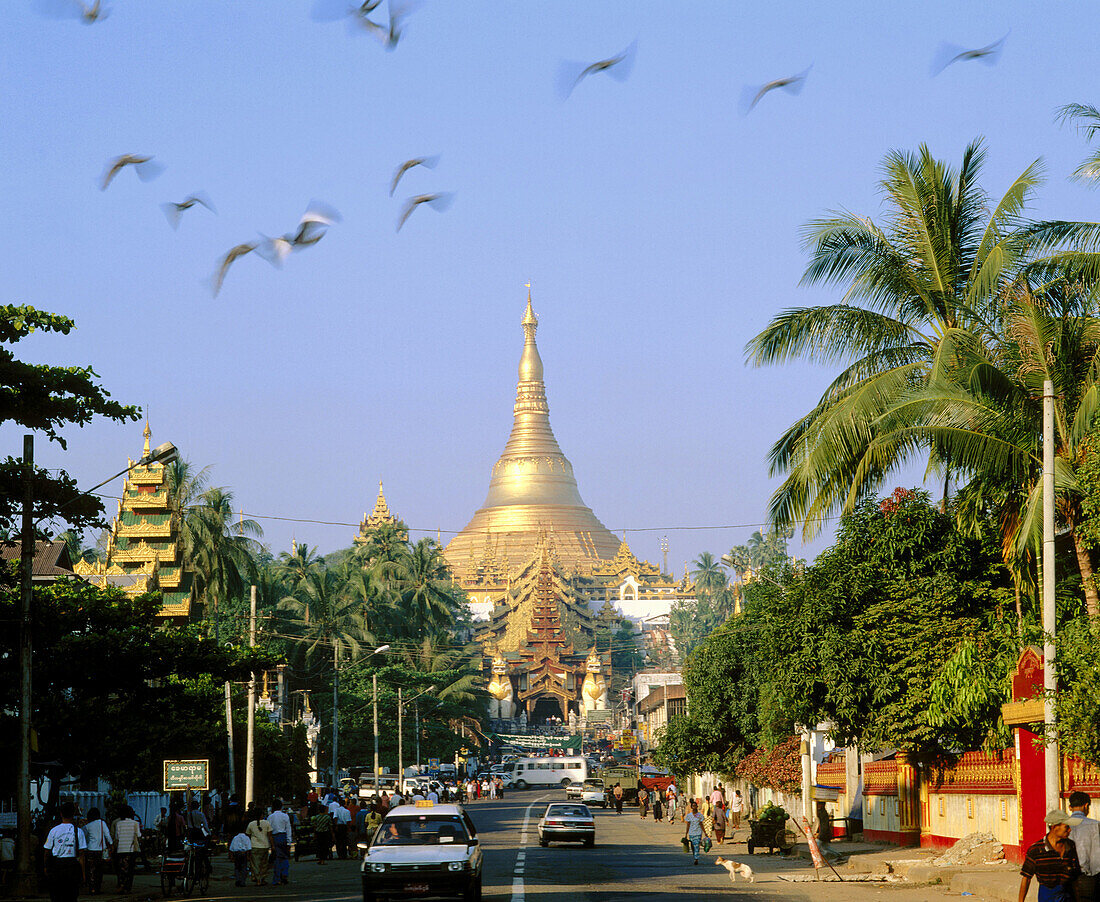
x=567 y=822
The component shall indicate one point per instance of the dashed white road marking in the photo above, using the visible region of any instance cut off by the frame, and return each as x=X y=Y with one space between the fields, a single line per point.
x=518 y=893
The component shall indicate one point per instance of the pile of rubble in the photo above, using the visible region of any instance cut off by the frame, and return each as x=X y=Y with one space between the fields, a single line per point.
x=974 y=848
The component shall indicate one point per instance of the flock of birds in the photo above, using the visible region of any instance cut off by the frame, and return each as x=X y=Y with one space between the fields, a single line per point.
x=361 y=18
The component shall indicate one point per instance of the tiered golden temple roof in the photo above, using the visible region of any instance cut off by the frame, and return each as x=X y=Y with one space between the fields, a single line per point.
x=380 y=516
x=532 y=491
x=144 y=553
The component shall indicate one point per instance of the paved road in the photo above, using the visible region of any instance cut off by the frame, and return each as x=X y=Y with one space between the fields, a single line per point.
x=632 y=859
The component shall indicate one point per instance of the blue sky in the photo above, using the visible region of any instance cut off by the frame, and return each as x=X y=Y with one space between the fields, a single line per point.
x=659 y=226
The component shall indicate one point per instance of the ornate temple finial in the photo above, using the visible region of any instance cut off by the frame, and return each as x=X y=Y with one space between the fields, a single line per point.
x=530 y=363
x=146 y=433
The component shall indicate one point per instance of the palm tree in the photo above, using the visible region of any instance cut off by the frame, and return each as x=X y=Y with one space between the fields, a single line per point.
x=427 y=604
x=296 y=566
x=929 y=280
x=220 y=552
x=321 y=616
x=384 y=543
x=1088 y=123
x=937 y=282
x=221 y=549
x=987 y=410
x=708 y=575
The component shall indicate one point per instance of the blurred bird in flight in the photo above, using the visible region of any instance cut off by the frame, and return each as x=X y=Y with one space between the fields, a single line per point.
x=311 y=229
x=357 y=15
x=88 y=13
x=145 y=168
x=428 y=162
x=174 y=211
x=752 y=95
x=438 y=202
x=947 y=54
x=235 y=253
x=618 y=67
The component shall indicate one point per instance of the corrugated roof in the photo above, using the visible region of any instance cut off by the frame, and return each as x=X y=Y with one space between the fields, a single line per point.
x=51 y=559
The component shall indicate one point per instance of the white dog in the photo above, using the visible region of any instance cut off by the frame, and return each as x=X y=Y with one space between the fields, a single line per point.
x=734 y=869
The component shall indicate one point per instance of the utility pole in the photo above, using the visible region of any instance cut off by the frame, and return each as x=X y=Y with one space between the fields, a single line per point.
x=1050 y=668
x=374 y=686
x=416 y=708
x=335 y=712
x=250 y=748
x=229 y=738
x=24 y=877
x=400 y=746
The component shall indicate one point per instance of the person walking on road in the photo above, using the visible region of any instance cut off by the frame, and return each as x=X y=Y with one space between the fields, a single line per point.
x=127 y=836
x=64 y=847
x=259 y=831
x=240 y=847
x=643 y=802
x=617 y=795
x=341 y=817
x=282 y=834
x=737 y=804
x=693 y=829
x=1052 y=860
x=719 y=823
x=99 y=848
x=322 y=833
x=1086 y=837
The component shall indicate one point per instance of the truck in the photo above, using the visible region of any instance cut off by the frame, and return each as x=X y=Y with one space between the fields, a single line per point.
x=626 y=775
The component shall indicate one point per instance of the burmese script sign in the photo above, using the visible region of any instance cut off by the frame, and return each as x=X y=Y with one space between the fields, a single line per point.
x=187 y=774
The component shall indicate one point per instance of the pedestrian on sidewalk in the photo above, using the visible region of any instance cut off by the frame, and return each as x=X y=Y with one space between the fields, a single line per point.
x=737 y=804
x=643 y=802
x=670 y=798
x=719 y=823
x=658 y=814
x=1052 y=861
x=99 y=849
x=64 y=850
x=282 y=835
x=127 y=846
x=259 y=832
x=617 y=795
x=693 y=829
x=240 y=847
x=1086 y=837
x=708 y=817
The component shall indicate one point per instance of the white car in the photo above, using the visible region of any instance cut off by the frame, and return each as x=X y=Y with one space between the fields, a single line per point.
x=423 y=850
x=567 y=822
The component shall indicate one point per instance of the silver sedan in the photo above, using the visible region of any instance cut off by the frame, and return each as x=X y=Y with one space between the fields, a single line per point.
x=567 y=822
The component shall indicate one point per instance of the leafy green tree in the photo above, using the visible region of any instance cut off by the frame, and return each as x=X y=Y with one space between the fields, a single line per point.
x=45 y=399
x=114 y=695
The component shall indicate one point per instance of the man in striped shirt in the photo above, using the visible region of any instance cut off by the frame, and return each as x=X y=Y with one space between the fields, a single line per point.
x=1052 y=861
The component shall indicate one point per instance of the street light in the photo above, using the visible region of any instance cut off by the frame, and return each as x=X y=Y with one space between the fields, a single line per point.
x=381 y=650
x=400 y=732
x=166 y=453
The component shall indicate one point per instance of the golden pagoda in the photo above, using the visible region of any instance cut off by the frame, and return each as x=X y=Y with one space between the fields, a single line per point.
x=532 y=492
x=380 y=516
x=143 y=552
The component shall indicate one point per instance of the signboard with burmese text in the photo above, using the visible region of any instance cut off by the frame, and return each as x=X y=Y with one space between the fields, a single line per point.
x=191 y=773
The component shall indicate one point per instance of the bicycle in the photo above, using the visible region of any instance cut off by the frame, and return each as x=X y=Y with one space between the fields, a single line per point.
x=192 y=870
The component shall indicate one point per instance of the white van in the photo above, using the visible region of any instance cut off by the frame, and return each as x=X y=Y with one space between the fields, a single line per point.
x=528 y=772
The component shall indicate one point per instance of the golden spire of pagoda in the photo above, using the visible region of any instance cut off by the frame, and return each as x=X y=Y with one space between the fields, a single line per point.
x=533 y=483
x=146 y=433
